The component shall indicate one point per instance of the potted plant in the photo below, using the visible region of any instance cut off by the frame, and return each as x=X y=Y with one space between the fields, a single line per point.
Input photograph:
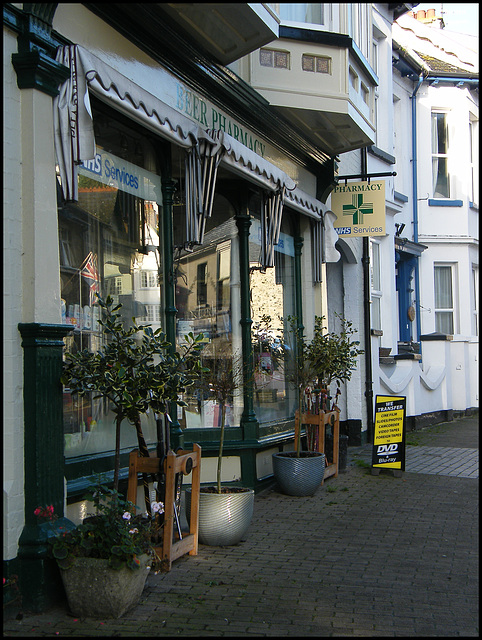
x=134 y=375
x=327 y=357
x=104 y=562
x=225 y=512
x=333 y=355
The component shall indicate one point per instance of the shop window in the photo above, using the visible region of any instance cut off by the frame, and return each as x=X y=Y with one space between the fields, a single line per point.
x=109 y=244
x=272 y=295
x=208 y=302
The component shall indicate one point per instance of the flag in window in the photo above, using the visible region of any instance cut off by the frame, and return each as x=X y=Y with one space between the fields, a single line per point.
x=91 y=272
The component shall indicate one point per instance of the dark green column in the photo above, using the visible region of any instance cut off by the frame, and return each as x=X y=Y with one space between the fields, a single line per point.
x=249 y=423
x=44 y=460
x=298 y=243
x=168 y=188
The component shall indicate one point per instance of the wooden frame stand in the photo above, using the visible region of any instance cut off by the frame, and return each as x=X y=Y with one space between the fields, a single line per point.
x=173 y=546
x=321 y=420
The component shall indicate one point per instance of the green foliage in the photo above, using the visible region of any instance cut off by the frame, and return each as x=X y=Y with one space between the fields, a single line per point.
x=112 y=533
x=328 y=357
x=333 y=356
x=135 y=375
x=136 y=370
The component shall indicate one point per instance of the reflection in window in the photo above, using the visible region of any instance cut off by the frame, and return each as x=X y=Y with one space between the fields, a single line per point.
x=108 y=240
x=272 y=295
x=208 y=302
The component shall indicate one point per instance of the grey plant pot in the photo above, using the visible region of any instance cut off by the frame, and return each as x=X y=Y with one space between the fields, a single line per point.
x=299 y=476
x=223 y=518
x=95 y=590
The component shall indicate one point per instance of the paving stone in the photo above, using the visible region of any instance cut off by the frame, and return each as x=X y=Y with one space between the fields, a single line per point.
x=385 y=557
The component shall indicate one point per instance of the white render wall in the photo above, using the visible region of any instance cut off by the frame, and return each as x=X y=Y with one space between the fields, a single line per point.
x=13 y=451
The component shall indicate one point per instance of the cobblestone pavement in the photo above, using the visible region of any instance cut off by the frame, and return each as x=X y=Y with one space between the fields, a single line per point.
x=365 y=556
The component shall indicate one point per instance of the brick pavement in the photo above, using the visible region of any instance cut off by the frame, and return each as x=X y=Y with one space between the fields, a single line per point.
x=366 y=556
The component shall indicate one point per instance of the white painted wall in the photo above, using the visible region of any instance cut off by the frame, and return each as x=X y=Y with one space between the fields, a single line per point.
x=13 y=452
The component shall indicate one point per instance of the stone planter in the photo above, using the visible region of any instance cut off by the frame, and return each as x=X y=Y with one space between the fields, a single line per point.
x=223 y=518
x=95 y=590
x=299 y=476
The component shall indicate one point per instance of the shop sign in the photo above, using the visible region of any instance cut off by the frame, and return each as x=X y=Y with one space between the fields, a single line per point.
x=389 y=433
x=209 y=117
x=120 y=174
x=359 y=208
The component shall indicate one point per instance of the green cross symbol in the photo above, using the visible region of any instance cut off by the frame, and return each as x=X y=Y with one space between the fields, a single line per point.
x=358 y=208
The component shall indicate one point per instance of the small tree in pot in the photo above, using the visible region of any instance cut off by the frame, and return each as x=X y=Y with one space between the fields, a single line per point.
x=333 y=356
x=224 y=512
x=327 y=357
x=134 y=375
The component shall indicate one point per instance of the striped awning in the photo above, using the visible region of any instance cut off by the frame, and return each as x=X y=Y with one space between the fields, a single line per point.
x=205 y=150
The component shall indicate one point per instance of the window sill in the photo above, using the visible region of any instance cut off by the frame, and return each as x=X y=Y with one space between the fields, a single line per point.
x=442 y=202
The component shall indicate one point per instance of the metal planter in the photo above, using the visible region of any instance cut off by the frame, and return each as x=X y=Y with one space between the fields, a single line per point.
x=223 y=518
x=299 y=476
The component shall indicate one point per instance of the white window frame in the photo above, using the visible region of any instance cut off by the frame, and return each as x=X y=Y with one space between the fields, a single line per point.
x=323 y=24
x=475 y=300
x=449 y=309
x=474 y=165
x=148 y=279
x=376 y=292
x=440 y=156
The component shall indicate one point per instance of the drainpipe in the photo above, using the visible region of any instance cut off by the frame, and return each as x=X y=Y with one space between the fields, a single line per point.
x=415 y=201
x=366 y=317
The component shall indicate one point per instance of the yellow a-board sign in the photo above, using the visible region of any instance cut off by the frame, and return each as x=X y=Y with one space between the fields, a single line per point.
x=389 y=433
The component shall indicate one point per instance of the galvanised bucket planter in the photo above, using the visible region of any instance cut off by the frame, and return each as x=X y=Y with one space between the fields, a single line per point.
x=95 y=590
x=223 y=517
x=299 y=476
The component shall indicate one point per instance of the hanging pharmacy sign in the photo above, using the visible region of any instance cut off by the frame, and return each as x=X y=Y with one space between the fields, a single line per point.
x=359 y=208
x=389 y=434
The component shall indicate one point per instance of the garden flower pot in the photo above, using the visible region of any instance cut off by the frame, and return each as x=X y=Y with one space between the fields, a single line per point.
x=223 y=518
x=95 y=590
x=299 y=476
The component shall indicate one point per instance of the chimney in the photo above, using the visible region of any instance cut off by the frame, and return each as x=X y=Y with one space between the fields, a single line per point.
x=428 y=17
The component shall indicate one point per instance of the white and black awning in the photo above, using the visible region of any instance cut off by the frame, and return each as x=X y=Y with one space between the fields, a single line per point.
x=206 y=150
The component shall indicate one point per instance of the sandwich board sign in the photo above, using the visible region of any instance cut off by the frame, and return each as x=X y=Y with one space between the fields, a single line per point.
x=389 y=435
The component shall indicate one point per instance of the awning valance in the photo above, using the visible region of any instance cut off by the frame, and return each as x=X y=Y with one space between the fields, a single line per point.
x=242 y=160
x=205 y=150
x=74 y=130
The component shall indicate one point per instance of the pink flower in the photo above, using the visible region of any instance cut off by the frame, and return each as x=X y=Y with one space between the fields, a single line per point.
x=126 y=516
